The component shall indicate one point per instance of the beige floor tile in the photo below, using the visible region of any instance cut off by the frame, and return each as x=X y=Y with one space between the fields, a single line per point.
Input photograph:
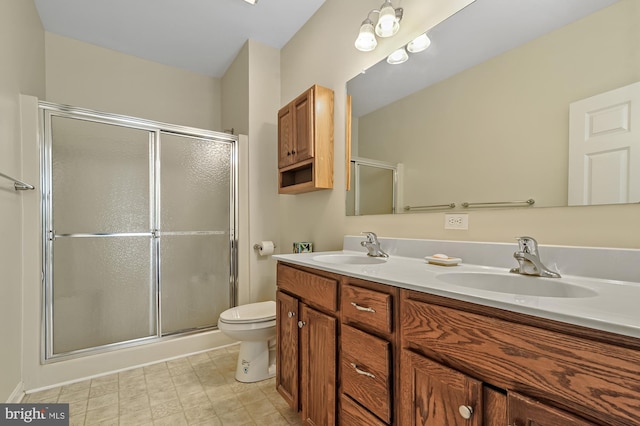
x=160 y=397
x=99 y=390
x=135 y=404
x=225 y=403
x=239 y=417
x=136 y=418
x=165 y=409
x=81 y=395
x=193 y=399
x=177 y=419
x=103 y=401
x=101 y=414
x=199 y=413
x=197 y=390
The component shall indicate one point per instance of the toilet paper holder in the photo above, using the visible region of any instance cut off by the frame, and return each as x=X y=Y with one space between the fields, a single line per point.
x=259 y=246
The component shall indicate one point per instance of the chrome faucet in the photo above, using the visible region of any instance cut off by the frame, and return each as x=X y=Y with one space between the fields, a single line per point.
x=373 y=245
x=530 y=263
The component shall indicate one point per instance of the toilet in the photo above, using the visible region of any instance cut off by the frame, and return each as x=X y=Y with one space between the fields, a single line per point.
x=254 y=325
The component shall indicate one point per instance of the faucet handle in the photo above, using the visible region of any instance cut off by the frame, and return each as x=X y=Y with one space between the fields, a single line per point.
x=528 y=245
x=371 y=236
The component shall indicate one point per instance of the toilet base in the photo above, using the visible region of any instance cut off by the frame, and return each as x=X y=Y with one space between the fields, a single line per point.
x=255 y=362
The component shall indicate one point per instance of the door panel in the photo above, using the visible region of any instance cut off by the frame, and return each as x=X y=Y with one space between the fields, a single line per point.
x=102 y=292
x=100 y=177
x=604 y=148
x=432 y=394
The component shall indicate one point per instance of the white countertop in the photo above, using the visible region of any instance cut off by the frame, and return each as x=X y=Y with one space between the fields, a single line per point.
x=615 y=308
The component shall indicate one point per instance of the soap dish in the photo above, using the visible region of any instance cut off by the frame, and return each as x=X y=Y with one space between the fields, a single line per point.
x=449 y=261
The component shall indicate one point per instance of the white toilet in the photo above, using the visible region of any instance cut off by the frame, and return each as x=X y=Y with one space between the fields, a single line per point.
x=254 y=325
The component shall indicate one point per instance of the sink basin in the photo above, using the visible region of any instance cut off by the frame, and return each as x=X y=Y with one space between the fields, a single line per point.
x=349 y=259
x=516 y=284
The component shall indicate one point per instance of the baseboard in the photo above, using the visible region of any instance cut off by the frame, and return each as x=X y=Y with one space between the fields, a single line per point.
x=17 y=394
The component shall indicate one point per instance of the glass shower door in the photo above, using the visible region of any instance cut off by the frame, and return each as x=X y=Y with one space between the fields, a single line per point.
x=102 y=272
x=195 y=231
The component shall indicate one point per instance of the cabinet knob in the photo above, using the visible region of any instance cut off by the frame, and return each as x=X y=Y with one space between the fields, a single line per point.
x=465 y=411
x=293 y=151
x=288 y=153
x=291 y=314
x=301 y=324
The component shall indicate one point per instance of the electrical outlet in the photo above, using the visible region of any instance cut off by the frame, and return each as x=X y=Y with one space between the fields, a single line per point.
x=456 y=221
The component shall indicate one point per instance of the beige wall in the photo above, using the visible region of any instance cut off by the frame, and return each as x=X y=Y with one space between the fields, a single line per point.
x=250 y=93
x=22 y=71
x=88 y=76
x=316 y=55
x=517 y=104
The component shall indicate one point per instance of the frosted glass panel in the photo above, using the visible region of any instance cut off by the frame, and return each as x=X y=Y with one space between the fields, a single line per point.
x=100 y=177
x=102 y=291
x=194 y=280
x=195 y=184
x=376 y=190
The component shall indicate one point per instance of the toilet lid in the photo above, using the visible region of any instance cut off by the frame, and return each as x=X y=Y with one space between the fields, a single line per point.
x=252 y=312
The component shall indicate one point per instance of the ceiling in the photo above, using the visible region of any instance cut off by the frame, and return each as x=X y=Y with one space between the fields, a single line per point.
x=203 y=36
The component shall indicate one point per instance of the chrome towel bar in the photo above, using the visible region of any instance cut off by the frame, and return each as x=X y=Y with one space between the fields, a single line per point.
x=18 y=185
x=528 y=202
x=435 y=206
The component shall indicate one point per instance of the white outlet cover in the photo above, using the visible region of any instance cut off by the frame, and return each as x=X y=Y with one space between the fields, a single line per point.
x=456 y=221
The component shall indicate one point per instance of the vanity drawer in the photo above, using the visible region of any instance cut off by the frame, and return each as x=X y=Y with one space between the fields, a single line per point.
x=366 y=370
x=352 y=414
x=313 y=289
x=369 y=308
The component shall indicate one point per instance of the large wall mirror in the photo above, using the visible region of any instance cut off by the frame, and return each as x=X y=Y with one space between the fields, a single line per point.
x=527 y=102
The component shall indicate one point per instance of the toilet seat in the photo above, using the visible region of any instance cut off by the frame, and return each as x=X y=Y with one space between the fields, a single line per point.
x=251 y=313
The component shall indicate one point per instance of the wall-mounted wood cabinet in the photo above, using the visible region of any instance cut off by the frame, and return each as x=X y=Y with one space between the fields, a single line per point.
x=305 y=142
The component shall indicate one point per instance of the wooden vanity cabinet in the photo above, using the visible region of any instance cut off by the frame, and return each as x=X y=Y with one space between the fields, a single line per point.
x=305 y=142
x=356 y=352
x=367 y=350
x=307 y=330
x=549 y=373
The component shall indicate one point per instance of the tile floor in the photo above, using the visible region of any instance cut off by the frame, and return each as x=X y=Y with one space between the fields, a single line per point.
x=195 y=390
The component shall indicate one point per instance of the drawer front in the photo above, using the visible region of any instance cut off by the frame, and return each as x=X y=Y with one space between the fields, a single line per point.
x=313 y=289
x=369 y=308
x=598 y=380
x=366 y=370
x=352 y=414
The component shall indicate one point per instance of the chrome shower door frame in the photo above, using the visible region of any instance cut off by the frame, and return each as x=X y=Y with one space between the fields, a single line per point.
x=49 y=110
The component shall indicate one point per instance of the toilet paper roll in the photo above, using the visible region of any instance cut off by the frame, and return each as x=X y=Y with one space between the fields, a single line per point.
x=265 y=248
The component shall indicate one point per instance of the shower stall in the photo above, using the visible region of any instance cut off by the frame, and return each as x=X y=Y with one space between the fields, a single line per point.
x=139 y=230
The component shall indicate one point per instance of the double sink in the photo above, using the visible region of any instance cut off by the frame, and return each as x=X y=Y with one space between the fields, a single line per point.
x=499 y=282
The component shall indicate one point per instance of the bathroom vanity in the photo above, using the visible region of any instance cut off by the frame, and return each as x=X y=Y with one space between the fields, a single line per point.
x=390 y=342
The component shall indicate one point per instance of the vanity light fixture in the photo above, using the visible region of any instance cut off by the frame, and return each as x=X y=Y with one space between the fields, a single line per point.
x=387 y=25
x=251 y=1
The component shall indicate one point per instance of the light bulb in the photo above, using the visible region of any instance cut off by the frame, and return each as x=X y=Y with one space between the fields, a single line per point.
x=397 y=57
x=366 y=40
x=418 y=44
x=388 y=23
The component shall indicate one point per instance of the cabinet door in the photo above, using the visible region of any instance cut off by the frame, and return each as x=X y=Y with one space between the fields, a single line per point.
x=318 y=367
x=523 y=411
x=285 y=136
x=434 y=395
x=303 y=126
x=287 y=348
